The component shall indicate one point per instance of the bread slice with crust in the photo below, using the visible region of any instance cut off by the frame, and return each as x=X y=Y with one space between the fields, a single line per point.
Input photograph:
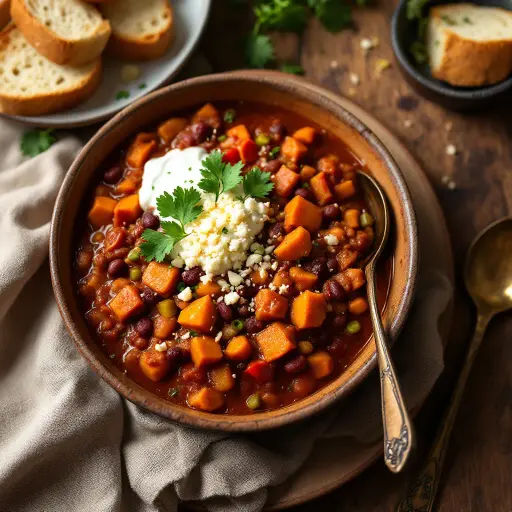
x=69 y=32
x=31 y=85
x=137 y=33
x=5 y=14
x=470 y=45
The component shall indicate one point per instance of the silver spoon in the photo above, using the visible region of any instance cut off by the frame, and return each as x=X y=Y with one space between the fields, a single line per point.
x=398 y=431
x=488 y=279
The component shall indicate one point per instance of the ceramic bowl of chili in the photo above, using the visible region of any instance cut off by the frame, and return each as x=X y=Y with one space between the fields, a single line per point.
x=275 y=338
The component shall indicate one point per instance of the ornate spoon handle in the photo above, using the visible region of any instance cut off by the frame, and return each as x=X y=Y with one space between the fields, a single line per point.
x=422 y=493
x=398 y=432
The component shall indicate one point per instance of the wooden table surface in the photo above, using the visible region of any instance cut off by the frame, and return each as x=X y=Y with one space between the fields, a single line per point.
x=477 y=476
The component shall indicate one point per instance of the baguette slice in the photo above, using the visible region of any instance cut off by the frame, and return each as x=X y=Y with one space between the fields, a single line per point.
x=31 y=85
x=139 y=34
x=5 y=15
x=69 y=32
x=470 y=45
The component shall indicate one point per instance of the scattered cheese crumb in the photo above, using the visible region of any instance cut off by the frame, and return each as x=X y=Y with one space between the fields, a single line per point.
x=186 y=336
x=218 y=337
x=235 y=279
x=283 y=288
x=253 y=259
x=331 y=240
x=206 y=278
x=178 y=262
x=272 y=287
x=269 y=249
x=368 y=44
x=186 y=294
x=451 y=150
x=354 y=78
x=274 y=265
x=452 y=185
x=231 y=298
x=161 y=347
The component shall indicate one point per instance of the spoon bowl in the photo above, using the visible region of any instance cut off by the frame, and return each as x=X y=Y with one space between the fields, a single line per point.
x=488 y=272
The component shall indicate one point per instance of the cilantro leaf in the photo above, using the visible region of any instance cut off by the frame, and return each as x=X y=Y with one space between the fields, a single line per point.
x=219 y=176
x=182 y=205
x=259 y=50
x=415 y=9
x=333 y=14
x=156 y=246
x=293 y=69
x=121 y=95
x=257 y=183
x=284 y=15
x=35 y=142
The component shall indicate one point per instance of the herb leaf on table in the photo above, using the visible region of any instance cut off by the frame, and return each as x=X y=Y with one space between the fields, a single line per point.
x=35 y=142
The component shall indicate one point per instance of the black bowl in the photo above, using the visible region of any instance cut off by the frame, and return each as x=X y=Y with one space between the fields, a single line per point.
x=403 y=34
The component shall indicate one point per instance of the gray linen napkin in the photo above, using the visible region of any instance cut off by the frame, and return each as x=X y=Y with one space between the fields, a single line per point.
x=69 y=442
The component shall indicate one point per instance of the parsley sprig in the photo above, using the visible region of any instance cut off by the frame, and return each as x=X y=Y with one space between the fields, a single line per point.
x=183 y=205
x=35 y=142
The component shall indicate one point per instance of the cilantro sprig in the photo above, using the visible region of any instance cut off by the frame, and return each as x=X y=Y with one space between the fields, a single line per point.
x=256 y=184
x=35 y=142
x=416 y=13
x=219 y=176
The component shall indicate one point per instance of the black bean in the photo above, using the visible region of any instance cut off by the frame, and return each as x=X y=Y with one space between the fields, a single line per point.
x=150 y=220
x=149 y=297
x=175 y=356
x=331 y=212
x=296 y=365
x=304 y=192
x=191 y=277
x=339 y=321
x=244 y=311
x=276 y=230
x=144 y=327
x=225 y=311
x=318 y=266
x=286 y=265
x=336 y=346
x=277 y=130
x=113 y=175
x=200 y=131
x=332 y=264
x=247 y=292
x=117 y=268
x=333 y=290
x=253 y=326
x=273 y=166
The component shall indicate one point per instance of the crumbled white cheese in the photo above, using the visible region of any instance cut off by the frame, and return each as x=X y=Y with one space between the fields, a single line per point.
x=269 y=249
x=283 y=288
x=224 y=285
x=208 y=246
x=186 y=294
x=178 y=262
x=354 y=78
x=272 y=287
x=451 y=150
x=253 y=259
x=218 y=337
x=235 y=279
x=186 y=336
x=161 y=347
x=274 y=265
x=331 y=240
x=231 y=298
x=206 y=278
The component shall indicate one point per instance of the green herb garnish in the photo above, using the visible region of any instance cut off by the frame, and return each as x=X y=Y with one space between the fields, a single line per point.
x=229 y=115
x=142 y=86
x=293 y=69
x=193 y=333
x=419 y=52
x=181 y=286
x=222 y=138
x=35 y=142
x=275 y=151
x=256 y=183
x=224 y=231
x=121 y=95
x=173 y=392
x=259 y=50
x=219 y=176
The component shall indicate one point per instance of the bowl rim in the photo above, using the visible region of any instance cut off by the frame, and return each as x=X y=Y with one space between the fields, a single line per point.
x=469 y=94
x=279 y=417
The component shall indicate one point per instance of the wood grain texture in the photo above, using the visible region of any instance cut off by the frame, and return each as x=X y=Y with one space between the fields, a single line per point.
x=477 y=472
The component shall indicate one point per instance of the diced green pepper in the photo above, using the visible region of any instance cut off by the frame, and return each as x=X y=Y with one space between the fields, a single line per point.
x=366 y=220
x=253 y=401
x=262 y=139
x=167 y=308
x=134 y=254
x=353 y=327
x=135 y=274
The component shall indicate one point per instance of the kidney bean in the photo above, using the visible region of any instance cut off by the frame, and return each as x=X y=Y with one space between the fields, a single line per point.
x=276 y=230
x=149 y=297
x=113 y=175
x=331 y=212
x=144 y=327
x=191 y=277
x=337 y=346
x=140 y=343
x=318 y=266
x=175 y=356
x=117 y=268
x=277 y=130
x=244 y=311
x=184 y=140
x=332 y=264
x=253 y=326
x=225 y=311
x=273 y=166
x=333 y=290
x=286 y=265
x=247 y=292
x=150 y=220
x=296 y=365
x=339 y=321
x=200 y=131
x=305 y=193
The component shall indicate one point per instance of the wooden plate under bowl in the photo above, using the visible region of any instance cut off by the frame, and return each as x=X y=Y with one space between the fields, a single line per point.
x=269 y=89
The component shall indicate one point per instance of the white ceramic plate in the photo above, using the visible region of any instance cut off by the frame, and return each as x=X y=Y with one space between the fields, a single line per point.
x=189 y=21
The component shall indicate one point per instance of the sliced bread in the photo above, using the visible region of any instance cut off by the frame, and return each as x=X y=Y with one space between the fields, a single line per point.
x=32 y=85
x=137 y=33
x=5 y=15
x=470 y=45
x=69 y=32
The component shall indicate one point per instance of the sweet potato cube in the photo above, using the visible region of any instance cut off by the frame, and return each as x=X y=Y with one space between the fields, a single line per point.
x=305 y=135
x=127 y=186
x=346 y=258
x=285 y=181
x=307 y=172
x=127 y=210
x=126 y=303
x=301 y=212
x=168 y=130
x=320 y=186
x=102 y=211
x=270 y=305
x=140 y=150
x=295 y=245
x=239 y=132
x=293 y=149
x=320 y=364
x=205 y=350
x=161 y=277
x=222 y=378
x=345 y=190
x=351 y=218
x=282 y=277
x=199 y=316
x=309 y=310
x=238 y=349
x=211 y=288
x=303 y=279
x=351 y=279
x=163 y=327
x=154 y=365
x=206 y=399
x=275 y=341
x=208 y=114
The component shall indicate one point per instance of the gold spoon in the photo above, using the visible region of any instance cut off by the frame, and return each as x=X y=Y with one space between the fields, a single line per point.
x=488 y=278
x=398 y=432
